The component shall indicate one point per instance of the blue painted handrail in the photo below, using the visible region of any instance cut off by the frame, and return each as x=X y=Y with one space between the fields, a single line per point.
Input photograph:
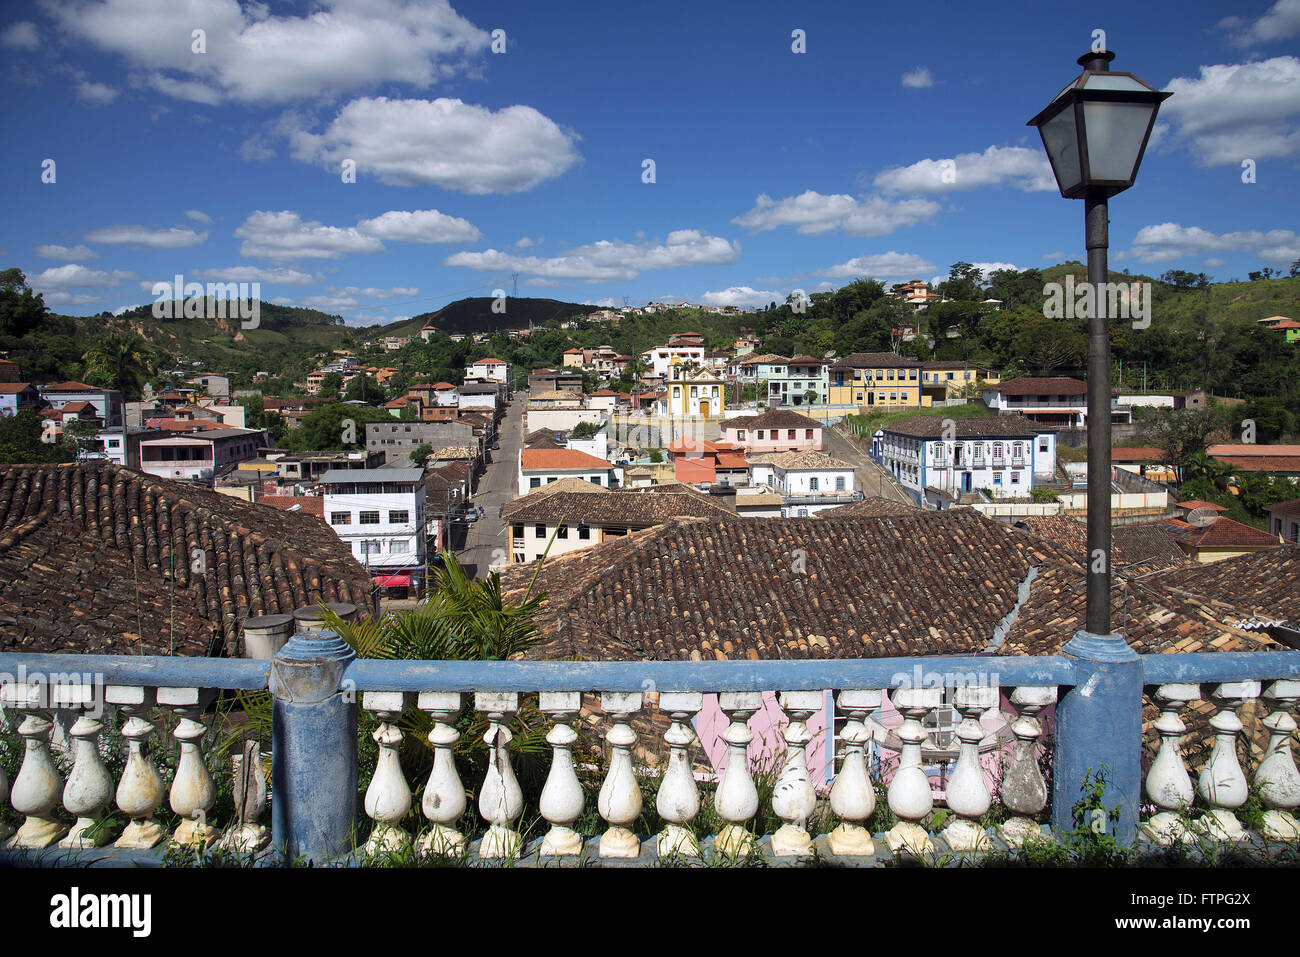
x=1220 y=666
x=522 y=676
x=150 y=671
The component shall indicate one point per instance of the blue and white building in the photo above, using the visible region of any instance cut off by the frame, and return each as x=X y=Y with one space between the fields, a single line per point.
x=379 y=516
x=1005 y=455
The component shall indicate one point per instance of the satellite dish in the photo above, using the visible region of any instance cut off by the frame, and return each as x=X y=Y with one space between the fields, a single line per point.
x=293 y=508
x=1202 y=517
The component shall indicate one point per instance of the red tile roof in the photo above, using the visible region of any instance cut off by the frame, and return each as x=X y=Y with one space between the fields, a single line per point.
x=1137 y=455
x=690 y=471
x=1199 y=503
x=1052 y=385
x=1262 y=463
x=1225 y=533
x=13 y=387
x=70 y=387
x=559 y=460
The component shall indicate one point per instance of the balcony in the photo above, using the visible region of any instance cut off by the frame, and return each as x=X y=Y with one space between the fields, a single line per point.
x=999 y=462
x=320 y=690
x=1017 y=461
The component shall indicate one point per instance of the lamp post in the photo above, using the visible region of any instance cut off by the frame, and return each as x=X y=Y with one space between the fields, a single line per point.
x=1095 y=132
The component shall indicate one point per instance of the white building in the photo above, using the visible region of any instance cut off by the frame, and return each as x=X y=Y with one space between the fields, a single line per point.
x=538 y=467
x=494 y=370
x=1006 y=455
x=379 y=515
x=107 y=402
x=807 y=482
x=1053 y=401
x=683 y=346
x=197 y=456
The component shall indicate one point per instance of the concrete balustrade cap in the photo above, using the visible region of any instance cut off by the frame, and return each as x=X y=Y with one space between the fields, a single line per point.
x=310 y=666
x=268 y=621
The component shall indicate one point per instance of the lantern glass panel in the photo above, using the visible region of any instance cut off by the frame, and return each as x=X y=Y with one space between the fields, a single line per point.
x=1114 y=133
x=1060 y=137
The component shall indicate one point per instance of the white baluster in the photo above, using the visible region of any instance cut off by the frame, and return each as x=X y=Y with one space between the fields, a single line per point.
x=561 y=800
x=909 y=792
x=1168 y=785
x=619 y=802
x=678 y=800
x=388 y=797
x=249 y=794
x=444 y=794
x=500 y=802
x=793 y=797
x=736 y=799
x=967 y=793
x=140 y=790
x=90 y=787
x=38 y=785
x=853 y=798
x=192 y=792
x=1023 y=790
x=1276 y=778
x=1222 y=782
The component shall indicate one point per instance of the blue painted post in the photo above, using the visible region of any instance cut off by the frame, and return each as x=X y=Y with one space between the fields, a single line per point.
x=314 y=749
x=1099 y=721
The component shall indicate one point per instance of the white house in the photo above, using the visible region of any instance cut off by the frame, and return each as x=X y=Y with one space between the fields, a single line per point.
x=682 y=346
x=1007 y=455
x=107 y=402
x=495 y=370
x=17 y=396
x=538 y=467
x=1054 y=401
x=197 y=456
x=379 y=515
x=807 y=482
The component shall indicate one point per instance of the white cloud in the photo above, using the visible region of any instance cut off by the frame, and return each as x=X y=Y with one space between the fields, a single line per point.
x=1018 y=166
x=1238 y=111
x=890 y=265
x=173 y=238
x=329 y=303
x=20 y=36
x=256 y=148
x=375 y=293
x=813 y=213
x=609 y=259
x=443 y=142
x=524 y=243
x=419 y=226
x=1167 y=242
x=1055 y=257
x=741 y=296
x=985 y=270
x=542 y=283
x=605 y=303
x=95 y=94
x=52 y=251
x=283 y=236
x=198 y=216
x=918 y=78
x=75 y=276
x=1214 y=262
x=339 y=46
x=1281 y=22
x=70 y=298
x=287 y=277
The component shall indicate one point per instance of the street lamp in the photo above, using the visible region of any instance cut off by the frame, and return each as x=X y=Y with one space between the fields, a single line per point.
x=1095 y=132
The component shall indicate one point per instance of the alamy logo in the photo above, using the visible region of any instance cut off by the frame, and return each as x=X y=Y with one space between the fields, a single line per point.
x=1081 y=300
x=77 y=910
x=179 y=299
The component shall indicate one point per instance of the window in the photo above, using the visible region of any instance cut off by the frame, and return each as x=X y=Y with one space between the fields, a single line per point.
x=539 y=530
x=340 y=518
x=839 y=483
x=789 y=433
x=595 y=480
x=400 y=517
x=368 y=518
x=812 y=484
x=584 y=533
x=562 y=532
x=1015 y=478
x=911 y=375
x=535 y=482
x=368 y=547
x=891 y=375
x=399 y=548
x=949 y=376
x=997 y=478
x=740 y=434
x=893 y=397
x=1042 y=445
x=760 y=435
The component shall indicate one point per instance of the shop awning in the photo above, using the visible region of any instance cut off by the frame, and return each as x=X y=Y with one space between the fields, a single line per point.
x=393 y=581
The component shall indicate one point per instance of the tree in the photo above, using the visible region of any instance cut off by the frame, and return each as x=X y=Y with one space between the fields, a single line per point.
x=1048 y=345
x=331 y=384
x=420 y=454
x=20 y=441
x=21 y=311
x=363 y=388
x=254 y=411
x=326 y=429
x=584 y=430
x=810 y=397
x=120 y=360
x=964 y=282
x=1182 y=279
x=1182 y=434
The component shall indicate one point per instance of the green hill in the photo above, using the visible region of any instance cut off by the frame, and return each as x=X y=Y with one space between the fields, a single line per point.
x=476 y=315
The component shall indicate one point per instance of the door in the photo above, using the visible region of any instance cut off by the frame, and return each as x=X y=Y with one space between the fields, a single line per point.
x=965 y=482
x=704 y=408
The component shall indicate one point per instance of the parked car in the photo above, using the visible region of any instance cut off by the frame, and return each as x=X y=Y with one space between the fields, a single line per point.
x=471 y=514
x=496 y=446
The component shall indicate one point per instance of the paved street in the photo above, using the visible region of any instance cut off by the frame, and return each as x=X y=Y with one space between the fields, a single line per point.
x=871 y=478
x=486 y=540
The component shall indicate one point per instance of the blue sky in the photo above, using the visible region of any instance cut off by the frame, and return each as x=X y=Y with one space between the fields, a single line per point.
x=773 y=170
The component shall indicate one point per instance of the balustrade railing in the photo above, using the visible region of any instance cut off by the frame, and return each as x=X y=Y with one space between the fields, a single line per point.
x=1094 y=694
